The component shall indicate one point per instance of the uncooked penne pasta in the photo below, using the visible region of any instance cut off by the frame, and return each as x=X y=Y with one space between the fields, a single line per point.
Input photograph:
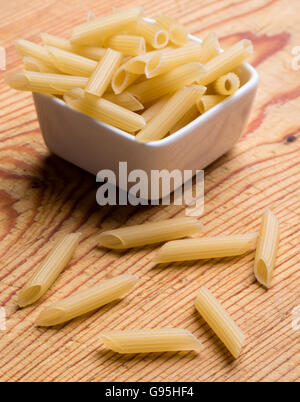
x=177 y=33
x=56 y=41
x=129 y=45
x=227 y=84
x=71 y=63
x=206 y=247
x=206 y=102
x=220 y=321
x=125 y=100
x=133 y=63
x=167 y=83
x=140 y=64
x=189 y=116
x=174 y=109
x=266 y=250
x=150 y=340
x=101 y=77
x=86 y=300
x=32 y=64
x=157 y=37
x=122 y=79
x=26 y=48
x=171 y=58
x=210 y=47
x=56 y=84
x=227 y=61
x=91 y=52
x=107 y=112
x=99 y=29
x=48 y=270
x=149 y=233
x=152 y=111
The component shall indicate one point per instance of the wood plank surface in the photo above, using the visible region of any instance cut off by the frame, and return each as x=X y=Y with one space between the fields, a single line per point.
x=42 y=197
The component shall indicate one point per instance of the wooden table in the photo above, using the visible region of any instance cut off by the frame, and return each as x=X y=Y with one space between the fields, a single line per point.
x=43 y=197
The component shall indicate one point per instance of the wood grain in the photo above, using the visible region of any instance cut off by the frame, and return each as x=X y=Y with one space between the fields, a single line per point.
x=42 y=197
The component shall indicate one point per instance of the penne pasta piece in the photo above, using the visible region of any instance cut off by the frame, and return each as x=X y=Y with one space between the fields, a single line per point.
x=206 y=102
x=122 y=79
x=26 y=48
x=189 y=116
x=129 y=45
x=139 y=64
x=157 y=37
x=99 y=29
x=56 y=41
x=86 y=300
x=206 y=247
x=167 y=83
x=91 y=52
x=149 y=233
x=55 y=84
x=107 y=112
x=48 y=270
x=150 y=340
x=178 y=34
x=227 y=61
x=175 y=108
x=125 y=100
x=220 y=321
x=210 y=47
x=171 y=58
x=32 y=64
x=227 y=84
x=152 y=111
x=101 y=77
x=266 y=250
x=71 y=63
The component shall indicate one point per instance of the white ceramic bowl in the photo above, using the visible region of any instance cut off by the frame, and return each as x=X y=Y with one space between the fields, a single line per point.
x=93 y=145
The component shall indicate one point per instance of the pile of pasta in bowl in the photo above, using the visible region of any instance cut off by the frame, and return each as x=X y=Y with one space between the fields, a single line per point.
x=148 y=78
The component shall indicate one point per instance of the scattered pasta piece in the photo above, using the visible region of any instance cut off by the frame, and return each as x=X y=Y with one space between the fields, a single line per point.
x=149 y=233
x=86 y=300
x=150 y=340
x=266 y=250
x=48 y=270
x=206 y=247
x=220 y=321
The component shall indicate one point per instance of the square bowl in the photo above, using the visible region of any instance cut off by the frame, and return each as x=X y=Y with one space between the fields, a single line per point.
x=94 y=146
